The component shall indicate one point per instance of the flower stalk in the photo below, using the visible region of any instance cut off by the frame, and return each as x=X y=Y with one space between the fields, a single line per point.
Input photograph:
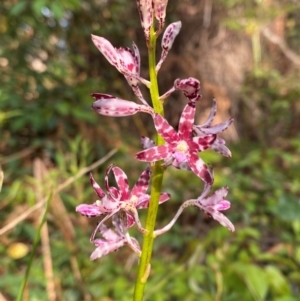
x=156 y=181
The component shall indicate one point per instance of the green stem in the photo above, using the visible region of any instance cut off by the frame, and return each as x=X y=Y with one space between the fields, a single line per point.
x=156 y=182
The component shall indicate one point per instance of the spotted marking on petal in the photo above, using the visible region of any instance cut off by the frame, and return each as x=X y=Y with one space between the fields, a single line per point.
x=89 y=210
x=116 y=107
x=160 y=11
x=155 y=153
x=185 y=130
x=202 y=143
x=141 y=186
x=96 y=187
x=189 y=86
x=145 y=9
x=107 y=49
x=167 y=41
x=164 y=129
x=122 y=182
x=200 y=168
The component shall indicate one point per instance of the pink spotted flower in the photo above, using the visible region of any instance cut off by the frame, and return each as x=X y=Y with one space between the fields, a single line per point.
x=126 y=61
x=120 y=199
x=212 y=205
x=113 y=240
x=182 y=147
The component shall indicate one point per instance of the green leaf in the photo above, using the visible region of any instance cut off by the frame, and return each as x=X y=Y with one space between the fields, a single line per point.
x=278 y=282
x=18 y=8
x=255 y=279
x=288 y=208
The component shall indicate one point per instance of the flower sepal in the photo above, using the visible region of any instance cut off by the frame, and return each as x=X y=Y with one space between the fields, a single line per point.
x=109 y=105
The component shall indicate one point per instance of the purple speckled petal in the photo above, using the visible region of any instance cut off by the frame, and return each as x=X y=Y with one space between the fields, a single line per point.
x=145 y=9
x=109 y=105
x=187 y=121
x=190 y=88
x=167 y=41
x=164 y=129
x=90 y=210
x=122 y=182
x=203 y=143
x=96 y=187
x=155 y=153
x=141 y=186
x=107 y=49
x=160 y=11
x=200 y=168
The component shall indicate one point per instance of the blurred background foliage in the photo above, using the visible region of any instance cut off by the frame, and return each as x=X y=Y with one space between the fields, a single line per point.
x=246 y=54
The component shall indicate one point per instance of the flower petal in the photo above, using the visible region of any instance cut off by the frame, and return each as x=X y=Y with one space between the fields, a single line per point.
x=108 y=234
x=190 y=88
x=90 y=210
x=109 y=105
x=219 y=147
x=144 y=202
x=155 y=153
x=105 y=247
x=222 y=219
x=164 y=197
x=122 y=182
x=187 y=121
x=167 y=41
x=215 y=198
x=160 y=11
x=200 y=168
x=146 y=15
x=212 y=114
x=96 y=187
x=202 y=143
x=147 y=142
x=164 y=129
x=215 y=129
x=141 y=186
x=108 y=50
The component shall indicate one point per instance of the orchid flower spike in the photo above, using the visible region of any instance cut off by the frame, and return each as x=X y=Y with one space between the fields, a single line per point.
x=207 y=129
x=126 y=60
x=145 y=9
x=180 y=148
x=109 y=105
x=112 y=240
x=120 y=199
x=167 y=41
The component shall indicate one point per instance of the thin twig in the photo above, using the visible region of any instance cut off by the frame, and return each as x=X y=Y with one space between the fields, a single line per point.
x=57 y=190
